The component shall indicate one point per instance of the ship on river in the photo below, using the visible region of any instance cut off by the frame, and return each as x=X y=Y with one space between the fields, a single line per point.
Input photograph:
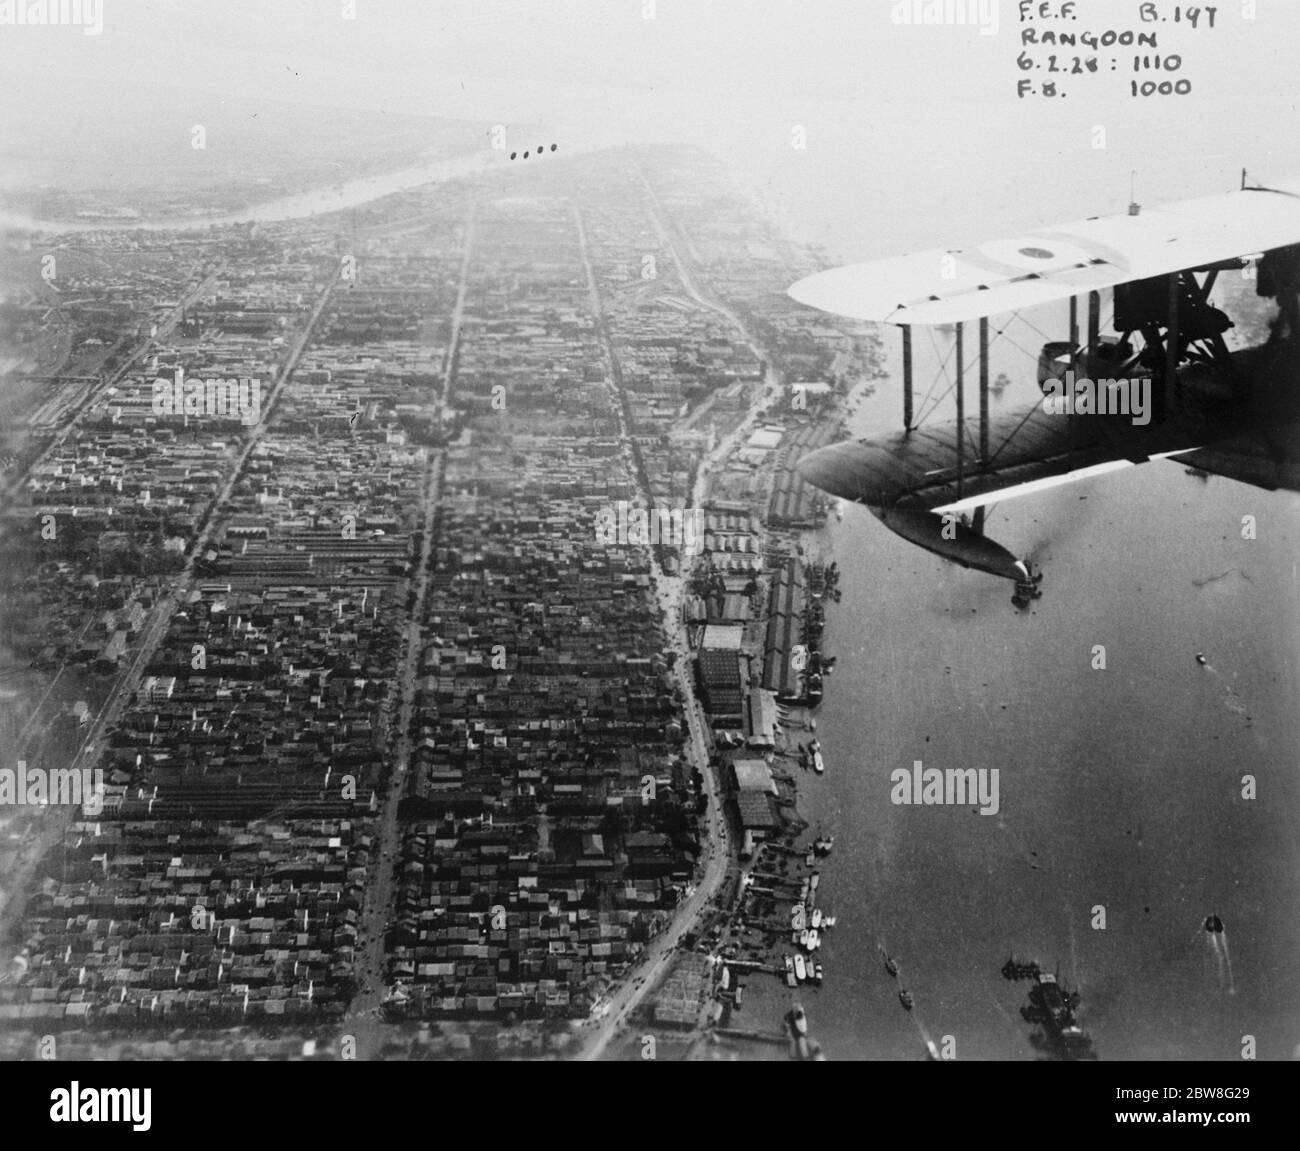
x=1052 y=1008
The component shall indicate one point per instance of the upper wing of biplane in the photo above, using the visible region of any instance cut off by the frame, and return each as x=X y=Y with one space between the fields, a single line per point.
x=948 y=287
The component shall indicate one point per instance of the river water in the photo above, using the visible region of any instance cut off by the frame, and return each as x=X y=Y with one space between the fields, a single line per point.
x=316 y=201
x=1120 y=788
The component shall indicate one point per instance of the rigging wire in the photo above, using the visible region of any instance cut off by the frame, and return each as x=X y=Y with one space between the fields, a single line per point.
x=1001 y=333
x=943 y=364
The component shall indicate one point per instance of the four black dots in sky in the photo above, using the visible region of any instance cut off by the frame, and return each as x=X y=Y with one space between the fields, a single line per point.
x=540 y=149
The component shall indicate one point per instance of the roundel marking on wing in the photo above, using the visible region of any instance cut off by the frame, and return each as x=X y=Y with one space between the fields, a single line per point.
x=1015 y=257
x=1094 y=250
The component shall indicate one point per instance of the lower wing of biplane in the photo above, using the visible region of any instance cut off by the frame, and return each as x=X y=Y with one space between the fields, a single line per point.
x=1235 y=414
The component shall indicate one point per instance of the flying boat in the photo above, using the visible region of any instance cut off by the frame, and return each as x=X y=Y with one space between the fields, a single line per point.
x=1160 y=382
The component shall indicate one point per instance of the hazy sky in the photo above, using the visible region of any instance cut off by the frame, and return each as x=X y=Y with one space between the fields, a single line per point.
x=928 y=114
x=513 y=58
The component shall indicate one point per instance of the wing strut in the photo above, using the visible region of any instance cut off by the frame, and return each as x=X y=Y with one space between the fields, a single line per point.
x=907 y=377
x=1172 y=350
x=1094 y=338
x=961 y=411
x=984 y=391
x=984 y=412
x=1093 y=322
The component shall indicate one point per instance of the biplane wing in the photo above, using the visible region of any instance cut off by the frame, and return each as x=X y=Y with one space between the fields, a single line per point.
x=948 y=287
x=1235 y=414
x=1038 y=451
x=907 y=479
x=915 y=470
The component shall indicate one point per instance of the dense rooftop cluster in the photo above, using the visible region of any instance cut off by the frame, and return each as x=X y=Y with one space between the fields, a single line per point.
x=501 y=369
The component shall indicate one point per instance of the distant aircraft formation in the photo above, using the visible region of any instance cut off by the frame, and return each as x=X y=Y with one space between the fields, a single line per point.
x=1162 y=384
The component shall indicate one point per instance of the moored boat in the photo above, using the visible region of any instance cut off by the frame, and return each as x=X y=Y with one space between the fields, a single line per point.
x=800 y=1019
x=814 y=694
x=800 y=968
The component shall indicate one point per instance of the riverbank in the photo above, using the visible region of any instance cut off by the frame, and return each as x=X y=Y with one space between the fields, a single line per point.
x=316 y=202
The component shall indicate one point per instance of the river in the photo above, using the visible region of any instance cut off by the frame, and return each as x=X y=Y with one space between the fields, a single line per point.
x=315 y=202
x=1120 y=789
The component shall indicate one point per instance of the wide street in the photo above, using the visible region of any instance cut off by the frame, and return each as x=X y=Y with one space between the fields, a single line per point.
x=613 y=1012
